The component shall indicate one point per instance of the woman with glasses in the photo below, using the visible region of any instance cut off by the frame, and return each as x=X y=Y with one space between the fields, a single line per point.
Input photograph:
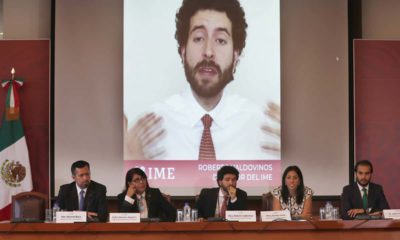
x=139 y=197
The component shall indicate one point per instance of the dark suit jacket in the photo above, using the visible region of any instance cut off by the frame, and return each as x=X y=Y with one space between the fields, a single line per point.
x=95 y=199
x=207 y=202
x=351 y=199
x=157 y=205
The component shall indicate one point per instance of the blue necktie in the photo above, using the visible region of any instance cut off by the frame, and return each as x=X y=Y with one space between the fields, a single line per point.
x=81 y=200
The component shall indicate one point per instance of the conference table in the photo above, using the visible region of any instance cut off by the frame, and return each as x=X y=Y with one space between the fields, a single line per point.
x=310 y=229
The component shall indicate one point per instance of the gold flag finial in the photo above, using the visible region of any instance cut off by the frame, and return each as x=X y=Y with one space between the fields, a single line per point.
x=12 y=73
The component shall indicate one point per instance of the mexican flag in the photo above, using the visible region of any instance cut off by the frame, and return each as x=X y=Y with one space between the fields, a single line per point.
x=14 y=159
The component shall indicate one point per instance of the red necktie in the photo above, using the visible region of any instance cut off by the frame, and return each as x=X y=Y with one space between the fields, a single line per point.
x=224 y=206
x=207 y=151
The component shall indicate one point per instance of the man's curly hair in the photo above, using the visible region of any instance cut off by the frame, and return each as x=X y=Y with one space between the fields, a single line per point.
x=232 y=9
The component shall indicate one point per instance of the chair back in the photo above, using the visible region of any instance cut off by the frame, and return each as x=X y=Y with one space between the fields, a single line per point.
x=266 y=201
x=167 y=197
x=29 y=205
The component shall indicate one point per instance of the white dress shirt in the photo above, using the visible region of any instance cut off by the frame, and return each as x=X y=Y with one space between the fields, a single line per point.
x=236 y=129
x=78 y=190
x=361 y=189
x=220 y=202
x=145 y=212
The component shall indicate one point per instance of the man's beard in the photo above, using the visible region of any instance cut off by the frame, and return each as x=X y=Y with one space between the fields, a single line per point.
x=211 y=90
x=362 y=184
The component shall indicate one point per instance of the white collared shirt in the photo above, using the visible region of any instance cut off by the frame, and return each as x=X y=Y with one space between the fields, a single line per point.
x=145 y=212
x=361 y=189
x=78 y=190
x=220 y=202
x=236 y=129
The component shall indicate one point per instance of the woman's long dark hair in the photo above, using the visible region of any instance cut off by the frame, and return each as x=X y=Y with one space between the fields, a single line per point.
x=300 y=188
x=131 y=172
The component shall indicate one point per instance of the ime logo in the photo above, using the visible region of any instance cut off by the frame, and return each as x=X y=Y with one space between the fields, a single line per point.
x=161 y=173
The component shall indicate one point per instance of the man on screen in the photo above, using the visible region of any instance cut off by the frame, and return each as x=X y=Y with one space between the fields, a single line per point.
x=363 y=197
x=205 y=122
x=213 y=202
x=83 y=194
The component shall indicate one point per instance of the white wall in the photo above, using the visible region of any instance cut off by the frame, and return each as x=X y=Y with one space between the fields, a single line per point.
x=314 y=90
x=26 y=19
x=88 y=90
x=380 y=19
x=314 y=82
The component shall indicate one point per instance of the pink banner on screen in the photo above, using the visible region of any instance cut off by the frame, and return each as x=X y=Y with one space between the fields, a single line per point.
x=204 y=173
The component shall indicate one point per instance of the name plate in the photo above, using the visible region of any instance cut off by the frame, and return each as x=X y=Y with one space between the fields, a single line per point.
x=124 y=217
x=391 y=214
x=269 y=216
x=241 y=216
x=70 y=217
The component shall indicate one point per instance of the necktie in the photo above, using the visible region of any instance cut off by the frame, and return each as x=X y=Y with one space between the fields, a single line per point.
x=81 y=199
x=207 y=151
x=224 y=206
x=365 y=198
x=140 y=203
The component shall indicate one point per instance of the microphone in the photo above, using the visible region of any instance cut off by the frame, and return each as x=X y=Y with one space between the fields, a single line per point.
x=88 y=199
x=148 y=197
x=149 y=194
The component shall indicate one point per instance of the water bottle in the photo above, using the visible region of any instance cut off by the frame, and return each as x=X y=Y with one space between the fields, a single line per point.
x=328 y=210
x=56 y=208
x=186 y=213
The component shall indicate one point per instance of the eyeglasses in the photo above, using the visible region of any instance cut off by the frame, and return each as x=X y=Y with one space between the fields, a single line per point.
x=139 y=180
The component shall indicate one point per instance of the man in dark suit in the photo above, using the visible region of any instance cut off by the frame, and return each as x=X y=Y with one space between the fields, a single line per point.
x=84 y=194
x=213 y=202
x=363 y=197
x=139 y=197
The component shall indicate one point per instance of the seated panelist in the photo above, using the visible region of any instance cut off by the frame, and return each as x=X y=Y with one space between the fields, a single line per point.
x=292 y=194
x=363 y=197
x=83 y=194
x=213 y=202
x=140 y=198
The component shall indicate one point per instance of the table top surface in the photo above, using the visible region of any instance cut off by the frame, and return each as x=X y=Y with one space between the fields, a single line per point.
x=308 y=225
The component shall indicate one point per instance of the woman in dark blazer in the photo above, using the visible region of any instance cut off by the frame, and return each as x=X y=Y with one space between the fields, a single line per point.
x=139 y=197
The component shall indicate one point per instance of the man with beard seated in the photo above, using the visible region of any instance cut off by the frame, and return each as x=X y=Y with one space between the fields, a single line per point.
x=363 y=199
x=214 y=202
